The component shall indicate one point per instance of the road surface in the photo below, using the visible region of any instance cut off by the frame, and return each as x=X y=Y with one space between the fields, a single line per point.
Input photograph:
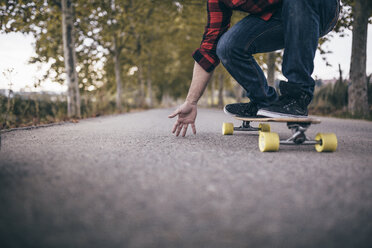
x=126 y=181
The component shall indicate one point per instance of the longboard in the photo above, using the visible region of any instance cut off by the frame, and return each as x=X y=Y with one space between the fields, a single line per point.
x=269 y=141
x=266 y=119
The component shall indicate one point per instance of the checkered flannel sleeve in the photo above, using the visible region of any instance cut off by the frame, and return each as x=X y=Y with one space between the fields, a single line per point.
x=219 y=16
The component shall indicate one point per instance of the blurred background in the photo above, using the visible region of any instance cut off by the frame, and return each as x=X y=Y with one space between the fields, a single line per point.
x=66 y=59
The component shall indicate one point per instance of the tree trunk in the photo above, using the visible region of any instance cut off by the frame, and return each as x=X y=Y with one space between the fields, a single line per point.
x=117 y=75
x=141 y=80
x=149 y=86
x=271 y=57
x=142 y=86
x=73 y=96
x=88 y=110
x=358 y=97
x=340 y=73
x=220 y=90
x=7 y=108
x=166 y=100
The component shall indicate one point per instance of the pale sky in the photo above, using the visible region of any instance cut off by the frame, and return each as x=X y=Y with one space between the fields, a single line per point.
x=16 y=49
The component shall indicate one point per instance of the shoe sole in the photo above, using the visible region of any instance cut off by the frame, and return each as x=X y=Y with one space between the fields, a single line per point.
x=270 y=114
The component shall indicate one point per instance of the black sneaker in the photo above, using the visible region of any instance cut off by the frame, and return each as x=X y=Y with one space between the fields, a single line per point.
x=287 y=106
x=241 y=109
x=292 y=103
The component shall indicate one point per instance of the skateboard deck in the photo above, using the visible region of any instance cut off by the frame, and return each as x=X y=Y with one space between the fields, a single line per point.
x=267 y=119
x=269 y=141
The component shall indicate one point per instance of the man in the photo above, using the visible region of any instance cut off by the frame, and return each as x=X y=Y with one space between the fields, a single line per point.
x=294 y=25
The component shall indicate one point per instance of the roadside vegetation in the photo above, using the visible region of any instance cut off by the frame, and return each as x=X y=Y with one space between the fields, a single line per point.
x=37 y=109
x=332 y=100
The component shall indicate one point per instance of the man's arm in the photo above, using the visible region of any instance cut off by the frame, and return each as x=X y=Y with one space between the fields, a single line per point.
x=187 y=112
x=199 y=82
x=206 y=60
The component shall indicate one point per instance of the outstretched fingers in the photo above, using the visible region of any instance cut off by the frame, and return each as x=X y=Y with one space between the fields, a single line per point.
x=179 y=128
x=175 y=127
x=193 y=128
x=185 y=129
x=179 y=125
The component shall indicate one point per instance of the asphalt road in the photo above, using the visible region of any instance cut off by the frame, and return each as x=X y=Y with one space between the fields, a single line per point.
x=126 y=181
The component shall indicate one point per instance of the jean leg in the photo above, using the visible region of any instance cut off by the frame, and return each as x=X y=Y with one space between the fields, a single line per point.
x=330 y=12
x=304 y=21
x=236 y=47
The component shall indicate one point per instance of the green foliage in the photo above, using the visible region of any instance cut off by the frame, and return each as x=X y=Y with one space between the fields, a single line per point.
x=31 y=110
x=35 y=108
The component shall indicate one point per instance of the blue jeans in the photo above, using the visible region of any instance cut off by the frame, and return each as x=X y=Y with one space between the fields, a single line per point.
x=296 y=27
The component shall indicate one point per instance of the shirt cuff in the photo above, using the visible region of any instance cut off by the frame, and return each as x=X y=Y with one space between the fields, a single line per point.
x=207 y=61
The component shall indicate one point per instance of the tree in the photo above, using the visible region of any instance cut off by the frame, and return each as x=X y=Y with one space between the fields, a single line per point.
x=357 y=93
x=106 y=24
x=73 y=96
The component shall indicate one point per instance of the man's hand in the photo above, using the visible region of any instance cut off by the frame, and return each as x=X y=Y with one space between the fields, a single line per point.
x=187 y=111
x=186 y=115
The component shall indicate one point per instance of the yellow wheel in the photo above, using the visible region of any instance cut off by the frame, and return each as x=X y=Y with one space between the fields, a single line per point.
x=268 y=142
x=264 y=127
x=328 y=142
x=227 y=128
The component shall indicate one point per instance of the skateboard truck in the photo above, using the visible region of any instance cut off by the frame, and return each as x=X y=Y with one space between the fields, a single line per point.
x=298 y=135
x=246 y=126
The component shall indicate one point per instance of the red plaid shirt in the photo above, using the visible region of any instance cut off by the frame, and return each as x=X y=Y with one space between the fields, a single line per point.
x=219 y=15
